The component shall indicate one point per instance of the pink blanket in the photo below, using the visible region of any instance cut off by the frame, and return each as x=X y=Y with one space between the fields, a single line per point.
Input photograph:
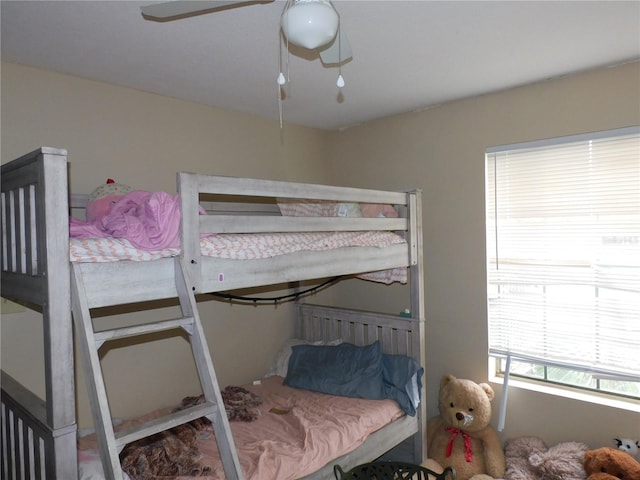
x=296 y=433
x=149 y=220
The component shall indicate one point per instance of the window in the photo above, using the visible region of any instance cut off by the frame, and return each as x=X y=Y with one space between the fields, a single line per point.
x=563 y=260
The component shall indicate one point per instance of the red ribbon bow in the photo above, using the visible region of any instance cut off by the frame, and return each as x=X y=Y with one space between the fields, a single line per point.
x=468 y=452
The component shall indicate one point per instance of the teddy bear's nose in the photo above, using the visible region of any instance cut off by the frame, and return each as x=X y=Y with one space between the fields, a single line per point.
x=459 y=416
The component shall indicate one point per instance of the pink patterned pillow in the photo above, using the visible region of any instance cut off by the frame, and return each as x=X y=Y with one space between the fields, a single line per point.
x=317 y=208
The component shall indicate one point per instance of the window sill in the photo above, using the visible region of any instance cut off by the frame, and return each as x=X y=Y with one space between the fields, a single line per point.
x=572 y=393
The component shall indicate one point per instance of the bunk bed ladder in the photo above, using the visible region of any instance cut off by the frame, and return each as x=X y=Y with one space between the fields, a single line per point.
x=110 y=442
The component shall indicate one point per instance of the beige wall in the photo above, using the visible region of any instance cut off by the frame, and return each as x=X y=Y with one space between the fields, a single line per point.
x=441 y=150
x=142 y=139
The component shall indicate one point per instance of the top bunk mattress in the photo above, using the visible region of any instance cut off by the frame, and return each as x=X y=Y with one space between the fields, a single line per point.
x=244 y=247
x=232 y=246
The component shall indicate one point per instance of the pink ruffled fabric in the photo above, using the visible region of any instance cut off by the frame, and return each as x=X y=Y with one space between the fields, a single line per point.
x=149 y=220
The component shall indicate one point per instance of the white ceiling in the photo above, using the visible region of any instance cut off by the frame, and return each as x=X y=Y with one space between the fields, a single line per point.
x=408 y=55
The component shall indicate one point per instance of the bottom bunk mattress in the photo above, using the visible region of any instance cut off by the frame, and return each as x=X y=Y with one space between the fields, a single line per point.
x=280 y=433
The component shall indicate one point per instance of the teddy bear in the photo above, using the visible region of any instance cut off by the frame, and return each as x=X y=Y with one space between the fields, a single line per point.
x=461 y=436
x=608 y=463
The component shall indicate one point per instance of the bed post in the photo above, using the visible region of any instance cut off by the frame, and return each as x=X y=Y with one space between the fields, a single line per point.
x=416 y=282
x=58 y=337
x=188 y=189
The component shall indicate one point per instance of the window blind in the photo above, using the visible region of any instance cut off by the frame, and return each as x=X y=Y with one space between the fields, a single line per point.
x=563 y=252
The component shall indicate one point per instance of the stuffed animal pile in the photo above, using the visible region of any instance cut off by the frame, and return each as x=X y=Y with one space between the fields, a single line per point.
x=461 y=437
x=528 y=458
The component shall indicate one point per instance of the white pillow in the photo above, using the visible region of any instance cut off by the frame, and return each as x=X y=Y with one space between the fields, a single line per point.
x=281 y=364
x=90 y=466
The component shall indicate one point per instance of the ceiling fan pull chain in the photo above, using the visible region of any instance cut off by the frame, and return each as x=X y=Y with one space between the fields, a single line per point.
x=340 y=82
x=281 y=79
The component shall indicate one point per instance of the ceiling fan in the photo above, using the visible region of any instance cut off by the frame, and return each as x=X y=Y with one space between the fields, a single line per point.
x=168 y=11
x=310 y=24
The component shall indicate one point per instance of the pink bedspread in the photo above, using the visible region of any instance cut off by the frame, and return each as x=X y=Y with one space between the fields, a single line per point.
x=315 y=429
x=246 y=246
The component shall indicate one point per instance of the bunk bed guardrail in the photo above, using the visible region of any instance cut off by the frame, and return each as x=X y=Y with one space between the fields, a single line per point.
x=194 y=189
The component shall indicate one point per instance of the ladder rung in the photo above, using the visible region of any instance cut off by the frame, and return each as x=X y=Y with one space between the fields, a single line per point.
x=142 y=329
x=164 y=423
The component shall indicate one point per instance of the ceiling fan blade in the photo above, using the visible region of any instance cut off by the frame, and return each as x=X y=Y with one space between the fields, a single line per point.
x=166 y=11
x=338 y=52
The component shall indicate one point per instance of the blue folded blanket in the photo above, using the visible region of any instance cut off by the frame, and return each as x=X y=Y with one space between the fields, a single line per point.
x=352 y=371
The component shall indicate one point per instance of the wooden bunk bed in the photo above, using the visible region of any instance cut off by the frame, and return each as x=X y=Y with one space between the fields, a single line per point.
x=39 y=437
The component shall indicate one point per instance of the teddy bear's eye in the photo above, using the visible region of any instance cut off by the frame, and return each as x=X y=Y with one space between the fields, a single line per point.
x=471 y=409
x=451 y=405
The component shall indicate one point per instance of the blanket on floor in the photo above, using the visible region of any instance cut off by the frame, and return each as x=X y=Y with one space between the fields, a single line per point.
x=174 y=452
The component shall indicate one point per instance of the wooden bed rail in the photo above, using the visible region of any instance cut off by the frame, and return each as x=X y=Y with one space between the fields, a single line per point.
x=397 y=337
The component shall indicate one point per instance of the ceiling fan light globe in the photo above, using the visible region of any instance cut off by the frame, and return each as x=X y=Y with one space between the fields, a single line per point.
x=310 y=24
